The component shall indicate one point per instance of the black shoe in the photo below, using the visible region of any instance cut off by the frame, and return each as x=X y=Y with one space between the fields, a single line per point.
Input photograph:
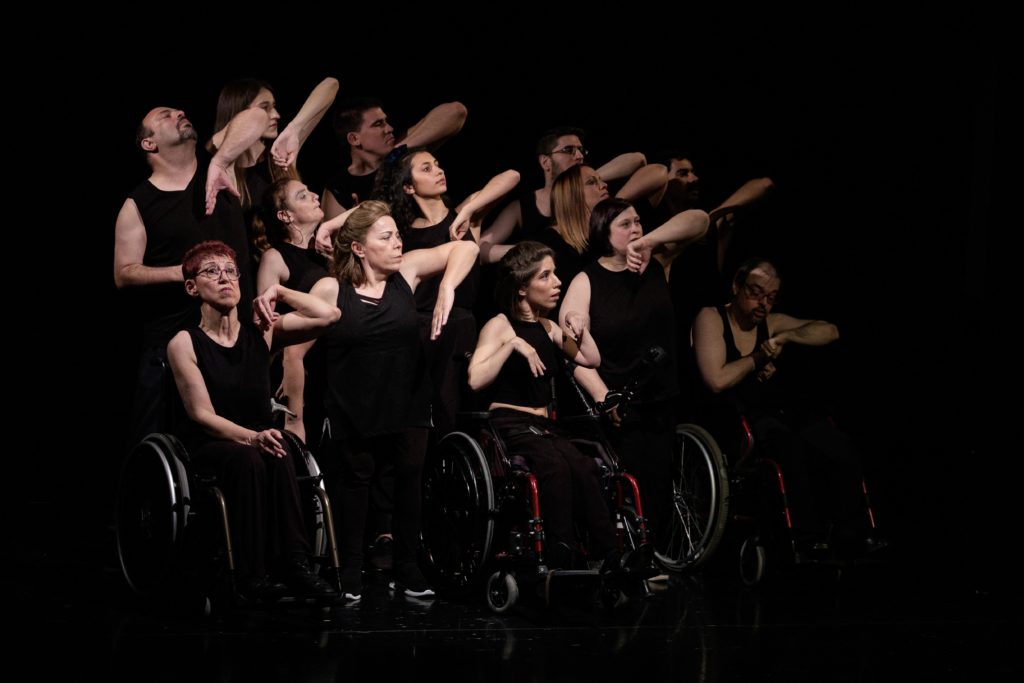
x=261 y=588
x=382 y=557
x=351 y=580
x=304 y=582
x=559 y=556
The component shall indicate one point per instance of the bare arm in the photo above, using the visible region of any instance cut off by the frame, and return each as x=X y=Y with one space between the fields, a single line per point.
x=293 y=385
x=272 y=271
x=649 y=180
x=196 y=399
x=789 y=330
x=288 y=143
x=311 y=316
x=130 y=249
x=332 y=207
x=472 y=210
x=455 y=259
x=709 y=346
x=669 y=239
x=241 y=133
x=492 y=242
x=582 y=351
x=438 y=125
x=574 y=316
x=622 y=166
x=748 y=193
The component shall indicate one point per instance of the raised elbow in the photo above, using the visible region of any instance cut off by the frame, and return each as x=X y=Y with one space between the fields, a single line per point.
x=335 y=315
x=833 y=332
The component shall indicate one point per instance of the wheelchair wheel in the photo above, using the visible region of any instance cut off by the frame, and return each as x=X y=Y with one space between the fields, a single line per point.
x=458 y=512
x=700 y=500
x=153 y=512
x=502 y=592
x=307 y=471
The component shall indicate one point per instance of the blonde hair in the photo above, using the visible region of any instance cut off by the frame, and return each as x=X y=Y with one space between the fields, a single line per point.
x=347 y=266
x=569 y=208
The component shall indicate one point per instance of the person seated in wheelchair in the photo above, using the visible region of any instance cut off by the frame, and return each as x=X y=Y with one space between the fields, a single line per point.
x=737 y=348
x=516 y=358
x=221 y=371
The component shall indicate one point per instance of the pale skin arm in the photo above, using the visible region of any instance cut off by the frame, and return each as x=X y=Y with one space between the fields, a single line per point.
x=667 y=240
x=582 y=351
x=622 y=166
x=312 y=315
x=709 y=347
x=272 y=271
x=789 y=330
x=574 y=315
x=129 y=250
x=496 y=343
x=492 y=242
x=293 y=385
x=440 y=123
x=285 y=149
x=471 y=211
x=324 y=236
x=748 y=193
x=455 y=260
x=196 y=399
x=241 y=133
x=649 y=180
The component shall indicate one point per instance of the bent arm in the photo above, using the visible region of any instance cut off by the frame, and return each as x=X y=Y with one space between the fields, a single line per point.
x=492 y=242
x=789 y=330
x=286 y=148
x=129 y=250
x=493 y=348
x=312 y=315
x=647 y=181
x=669 y=239
x=473 y=209
x=440 y=123
x=622 y=166
x=709 y=346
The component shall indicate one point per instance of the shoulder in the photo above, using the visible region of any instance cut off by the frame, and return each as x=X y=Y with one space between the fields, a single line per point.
x=708 y=318
x=180 y=345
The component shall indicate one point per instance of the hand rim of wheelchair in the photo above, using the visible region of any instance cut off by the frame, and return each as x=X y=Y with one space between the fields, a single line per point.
x=700 y=501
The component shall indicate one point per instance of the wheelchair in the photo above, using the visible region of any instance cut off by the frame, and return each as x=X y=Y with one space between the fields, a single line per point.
x=482 y=523
x=172 y=525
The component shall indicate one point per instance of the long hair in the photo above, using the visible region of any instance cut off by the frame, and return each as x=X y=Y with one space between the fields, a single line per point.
x=347 y=267
x=234 y=98
x=515 y=270
x=267 y=228
x=569 y=208
x=394 y=174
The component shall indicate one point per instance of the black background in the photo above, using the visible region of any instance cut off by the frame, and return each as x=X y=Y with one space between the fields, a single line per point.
x=882 y=142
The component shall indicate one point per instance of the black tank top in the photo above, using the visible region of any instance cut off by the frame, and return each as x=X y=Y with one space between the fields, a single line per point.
x=426 y=294
x=755 y=398
x=343 y=184
x=376 y=374
x=236 y=378
x=533 y=221
x=515 y=383
x=629 y=313
x=174 y=222
x=305 y=267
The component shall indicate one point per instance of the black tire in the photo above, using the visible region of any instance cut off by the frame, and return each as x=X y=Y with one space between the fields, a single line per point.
x=502 y=592
x=752 y=561
x=700 y=501
x=458 y=519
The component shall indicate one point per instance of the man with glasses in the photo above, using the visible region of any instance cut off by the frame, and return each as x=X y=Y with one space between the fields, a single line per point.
x=558 y=150
x=164 y=216
x=737 y=347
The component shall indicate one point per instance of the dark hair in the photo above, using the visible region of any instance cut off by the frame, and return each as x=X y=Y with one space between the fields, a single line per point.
x=348 y=117
x=267 y=228
x=141 y=133
x=195 y=256
x=547 y=141
x=743 y=272
x=347 y=267
x=515 y=270
x=394 y=174
x=601 y=219
x=665 y=156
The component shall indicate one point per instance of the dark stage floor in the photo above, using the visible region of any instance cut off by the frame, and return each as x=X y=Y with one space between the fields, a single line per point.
x=894 y=621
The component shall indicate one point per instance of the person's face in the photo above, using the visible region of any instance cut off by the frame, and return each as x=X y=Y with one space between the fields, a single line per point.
x=216 y=282
x=301 y=206
x=375 y=136
x=683 y=182
x=428 y=178
x=169 y=126
x=624 y=229
x=594 y=189
x=544 y=288
x=566 y=153
x=265 y=100
x=382 y=247
x=757 y=295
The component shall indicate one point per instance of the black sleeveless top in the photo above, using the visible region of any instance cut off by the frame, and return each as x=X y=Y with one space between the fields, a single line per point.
x=629 y=313
x=376 y=373
x=533 y=221
x=305 y=267
x=755 y=398
x=426 y=294
x=236 y=378
x=343 y=184
x=174 y=222
x=515 y=383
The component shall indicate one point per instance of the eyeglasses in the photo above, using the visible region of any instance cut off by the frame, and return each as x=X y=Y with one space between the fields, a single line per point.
x=571 y=150
x=755 y=293
x=213 y=272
